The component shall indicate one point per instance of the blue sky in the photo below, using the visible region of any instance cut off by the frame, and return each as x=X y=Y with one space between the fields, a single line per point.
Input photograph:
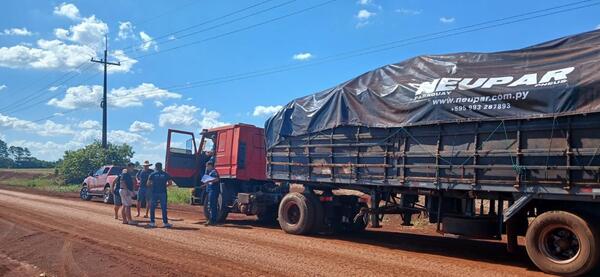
x=50 y=93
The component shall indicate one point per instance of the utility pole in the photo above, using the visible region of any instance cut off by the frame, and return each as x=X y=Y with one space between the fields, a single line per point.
x=104 y=102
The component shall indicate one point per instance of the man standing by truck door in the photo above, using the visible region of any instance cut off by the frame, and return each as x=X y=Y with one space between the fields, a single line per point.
x=213 y=189
x=145 y=193
x=159 y=181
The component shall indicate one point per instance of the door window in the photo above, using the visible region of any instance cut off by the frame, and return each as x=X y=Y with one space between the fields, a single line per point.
x=182 y=143
x=99 y=172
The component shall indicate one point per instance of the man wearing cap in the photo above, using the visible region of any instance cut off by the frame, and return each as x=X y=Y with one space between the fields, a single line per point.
x=159 y=181
x=145 y=193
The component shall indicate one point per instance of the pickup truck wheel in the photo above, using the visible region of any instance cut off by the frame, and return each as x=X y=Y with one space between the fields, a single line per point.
x=84 y=193
x=562 y=243
x=108 y=196
x=296 y=214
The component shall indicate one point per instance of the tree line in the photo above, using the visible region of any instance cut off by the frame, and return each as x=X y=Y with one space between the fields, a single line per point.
x=20 y=157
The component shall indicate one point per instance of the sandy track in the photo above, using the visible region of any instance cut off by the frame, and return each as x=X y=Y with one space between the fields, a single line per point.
x=67 y=237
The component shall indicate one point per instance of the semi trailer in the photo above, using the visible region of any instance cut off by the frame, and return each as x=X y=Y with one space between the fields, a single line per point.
x=486 y=144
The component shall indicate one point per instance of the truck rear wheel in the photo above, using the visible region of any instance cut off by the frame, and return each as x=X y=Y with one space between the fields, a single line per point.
x=562 y=243
x=296 y=214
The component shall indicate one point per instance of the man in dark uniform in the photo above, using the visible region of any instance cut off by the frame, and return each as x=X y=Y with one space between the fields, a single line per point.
x=213 y=189
x=159 y=181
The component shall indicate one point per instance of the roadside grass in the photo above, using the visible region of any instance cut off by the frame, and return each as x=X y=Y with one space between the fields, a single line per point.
x=177 y=195
x=42 y=183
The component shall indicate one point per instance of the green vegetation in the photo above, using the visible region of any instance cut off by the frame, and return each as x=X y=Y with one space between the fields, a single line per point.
x=77 y=164
x=177 y=195
x=42 y=179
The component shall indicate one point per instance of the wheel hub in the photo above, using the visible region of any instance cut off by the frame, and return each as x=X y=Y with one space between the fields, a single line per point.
x=560 y=244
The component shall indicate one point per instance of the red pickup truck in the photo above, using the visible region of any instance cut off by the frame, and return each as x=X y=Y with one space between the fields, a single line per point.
x=98 y=183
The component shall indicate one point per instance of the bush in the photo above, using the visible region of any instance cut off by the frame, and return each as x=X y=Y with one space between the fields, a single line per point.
x=77 y=164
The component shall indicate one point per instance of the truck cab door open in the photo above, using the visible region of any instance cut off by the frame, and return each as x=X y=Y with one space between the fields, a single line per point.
x=181 y=161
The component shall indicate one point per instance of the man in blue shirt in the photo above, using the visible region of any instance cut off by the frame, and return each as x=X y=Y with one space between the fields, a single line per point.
x=145 y=193
x=213 y=189
x=159 y=181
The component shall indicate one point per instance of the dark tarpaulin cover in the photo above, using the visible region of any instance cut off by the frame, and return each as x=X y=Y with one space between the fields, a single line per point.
x=557 y=77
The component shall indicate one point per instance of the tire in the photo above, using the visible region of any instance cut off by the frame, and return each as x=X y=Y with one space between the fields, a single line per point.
x=107 y=197
x=296 y=215
x=562 y=243
x=223 y=210
x=84 y=193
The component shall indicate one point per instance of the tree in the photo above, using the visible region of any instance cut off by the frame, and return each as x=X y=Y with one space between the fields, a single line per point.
x=19 y=153
x=3 y=149
x=76 y=164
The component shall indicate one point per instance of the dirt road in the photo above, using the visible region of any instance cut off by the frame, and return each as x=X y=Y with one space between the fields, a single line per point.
x=70 y=237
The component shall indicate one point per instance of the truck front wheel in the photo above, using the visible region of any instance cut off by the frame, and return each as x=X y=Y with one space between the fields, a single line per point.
x=296 y=214
x=562 y=243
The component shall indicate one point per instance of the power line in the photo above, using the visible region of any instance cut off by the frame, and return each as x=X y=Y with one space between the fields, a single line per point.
x=240 y=29
x=168 y=35
x=379 y=48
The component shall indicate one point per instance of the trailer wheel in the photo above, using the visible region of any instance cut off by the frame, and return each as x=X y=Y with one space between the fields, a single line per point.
x=296 y=214
x=562 y=243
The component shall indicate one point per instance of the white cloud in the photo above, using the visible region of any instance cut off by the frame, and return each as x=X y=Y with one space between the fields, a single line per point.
x=185 y=115
x=50 y=54
x=125 y=61
x=16 y=32
x=147 y=42
x=363 y=17
x=89 y=124
x=364 y=2
x=77 y=97
x=266 y=110
x=598 y=27
x=46 y=129
x=89 y=96
x=49 y=150
x=364 y=14
x=408 y=11
x=129 y=97
x=447 y=20
x=2 y=87
x=158 y=104
x=67 y=10
x=90 y=32
x=53 y=88
x=302 y=56
x=125 y=30
x=140 y=127
x=178 y=115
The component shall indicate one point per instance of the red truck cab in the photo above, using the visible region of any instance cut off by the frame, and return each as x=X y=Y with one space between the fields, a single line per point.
x=239 y=154
x=237 y=150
